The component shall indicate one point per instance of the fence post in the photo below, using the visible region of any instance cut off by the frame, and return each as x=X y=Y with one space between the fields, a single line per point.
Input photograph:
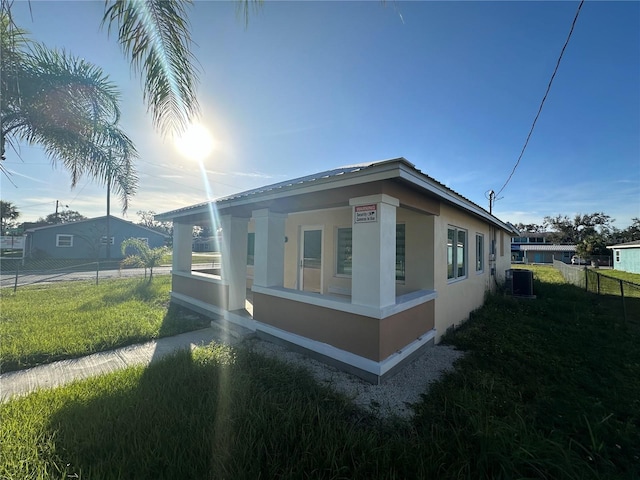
x=97 y=270
x=586 y=279
x=624 y=309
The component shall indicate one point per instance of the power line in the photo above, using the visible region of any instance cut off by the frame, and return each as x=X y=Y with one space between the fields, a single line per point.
x=543 y=100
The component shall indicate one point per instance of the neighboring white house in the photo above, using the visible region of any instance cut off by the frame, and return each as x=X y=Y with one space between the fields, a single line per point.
x=537 y=248
x=361 y=266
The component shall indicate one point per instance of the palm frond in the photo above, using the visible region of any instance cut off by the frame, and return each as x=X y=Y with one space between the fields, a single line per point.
x=155 y=35
x=70 y=108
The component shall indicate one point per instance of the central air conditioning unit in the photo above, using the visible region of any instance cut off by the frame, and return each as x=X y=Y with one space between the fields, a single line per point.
x=520 y=283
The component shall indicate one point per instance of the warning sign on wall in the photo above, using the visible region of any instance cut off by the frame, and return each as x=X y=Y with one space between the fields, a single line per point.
x=365 y=213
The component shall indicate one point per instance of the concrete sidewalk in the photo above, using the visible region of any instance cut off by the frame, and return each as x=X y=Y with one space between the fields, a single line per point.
x=59 y=373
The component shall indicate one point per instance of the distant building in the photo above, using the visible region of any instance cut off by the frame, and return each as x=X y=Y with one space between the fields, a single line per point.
x=87 y=239
x=537 y=248
x=626 y=256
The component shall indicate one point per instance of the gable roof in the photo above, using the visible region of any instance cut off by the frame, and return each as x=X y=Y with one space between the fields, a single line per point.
x=397 y=168
x=96 y=219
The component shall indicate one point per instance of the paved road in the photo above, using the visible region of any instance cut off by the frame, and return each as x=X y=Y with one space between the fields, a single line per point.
x=8 y=280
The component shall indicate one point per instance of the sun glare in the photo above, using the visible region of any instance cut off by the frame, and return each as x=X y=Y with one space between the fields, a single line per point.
x=196 y=143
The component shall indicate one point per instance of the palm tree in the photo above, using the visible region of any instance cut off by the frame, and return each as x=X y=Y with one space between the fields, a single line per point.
x=66 y=105
x=145 y=256
x=155 y=37
x=8 y=213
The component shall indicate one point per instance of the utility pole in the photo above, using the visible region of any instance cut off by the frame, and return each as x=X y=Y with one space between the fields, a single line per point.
x=492 y=197
x=57 y=203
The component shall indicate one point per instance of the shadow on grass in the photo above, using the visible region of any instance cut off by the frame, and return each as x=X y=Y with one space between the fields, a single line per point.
x=219 y=413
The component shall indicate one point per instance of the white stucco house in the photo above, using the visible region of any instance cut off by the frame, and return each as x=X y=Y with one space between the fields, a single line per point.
x=361 y=266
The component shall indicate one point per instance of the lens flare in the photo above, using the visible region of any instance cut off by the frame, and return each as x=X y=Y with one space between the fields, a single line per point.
x=196 y=143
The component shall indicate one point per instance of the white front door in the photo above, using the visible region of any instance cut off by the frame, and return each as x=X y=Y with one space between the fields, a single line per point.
x=310 y=262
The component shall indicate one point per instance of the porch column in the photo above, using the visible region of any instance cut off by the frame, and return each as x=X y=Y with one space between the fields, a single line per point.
x=373 y=279
x=182 y=246
x=268 y=268
x=234 y=259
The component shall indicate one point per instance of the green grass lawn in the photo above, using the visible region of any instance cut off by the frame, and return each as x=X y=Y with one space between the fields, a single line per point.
x=549 y=388
x=43 y=323
x=619 y=274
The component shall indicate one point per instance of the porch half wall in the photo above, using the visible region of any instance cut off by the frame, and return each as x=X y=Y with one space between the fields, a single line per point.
x=371 y=338
x=207 y=290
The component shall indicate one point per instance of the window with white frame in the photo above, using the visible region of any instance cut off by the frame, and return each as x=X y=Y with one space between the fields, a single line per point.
x=344 y=249
x=479 y=252
x=64 y=240
x=103 y=240
x=456 y=253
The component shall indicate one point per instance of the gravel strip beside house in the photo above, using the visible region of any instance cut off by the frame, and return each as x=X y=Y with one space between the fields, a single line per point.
x=392 y=398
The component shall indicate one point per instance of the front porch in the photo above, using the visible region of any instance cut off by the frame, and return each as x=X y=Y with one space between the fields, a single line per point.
x=346 y=290
x=372 y=344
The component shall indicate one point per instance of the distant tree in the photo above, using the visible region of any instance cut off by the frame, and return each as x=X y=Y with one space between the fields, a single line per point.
x=629 y=234
x=202 y=231
x=565 y=230
x=9 y=213
x=63 y=216
x=529 y=227
x=144 y=256
x=590 y=232
x=592 y=245
x=147 y=220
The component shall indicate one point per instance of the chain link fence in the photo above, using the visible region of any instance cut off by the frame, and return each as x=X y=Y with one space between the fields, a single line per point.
x=15 y=273
x=620 y=296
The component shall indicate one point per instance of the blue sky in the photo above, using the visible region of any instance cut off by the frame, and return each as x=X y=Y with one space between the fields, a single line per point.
x=308 y=86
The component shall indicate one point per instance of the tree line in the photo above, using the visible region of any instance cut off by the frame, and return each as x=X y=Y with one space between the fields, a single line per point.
x=591 y=233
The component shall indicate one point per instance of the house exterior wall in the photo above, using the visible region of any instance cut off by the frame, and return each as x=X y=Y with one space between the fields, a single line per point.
x=86 y=239
x=459 y=297
x=627 y=259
